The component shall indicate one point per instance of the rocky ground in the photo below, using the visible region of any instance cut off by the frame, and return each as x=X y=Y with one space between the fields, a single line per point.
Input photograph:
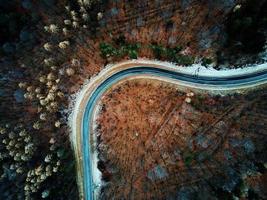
x=156 y=142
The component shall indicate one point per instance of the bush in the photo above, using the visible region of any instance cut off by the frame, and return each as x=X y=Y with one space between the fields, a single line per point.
x=108 y=50
x=124 y=49
x=207 y=61
x=171 y=54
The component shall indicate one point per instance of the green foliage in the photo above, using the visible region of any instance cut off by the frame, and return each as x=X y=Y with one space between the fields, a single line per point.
x=133 y=54
x=171 y=54
x=108 y=50
x=124 y=49
x=121 y=48
x=207 y=61
x=131 y=50
x=184 y=60
x=158 y=50
x=188 y=158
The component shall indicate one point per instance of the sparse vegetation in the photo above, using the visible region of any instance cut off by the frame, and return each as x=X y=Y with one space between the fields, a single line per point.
x=207 y=61
x=130 y=50
x=123 y=49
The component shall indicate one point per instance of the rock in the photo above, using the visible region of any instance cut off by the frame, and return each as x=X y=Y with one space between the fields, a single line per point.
x=202 y=141
x=157 y=172
x=248 y=146
x=188 y=100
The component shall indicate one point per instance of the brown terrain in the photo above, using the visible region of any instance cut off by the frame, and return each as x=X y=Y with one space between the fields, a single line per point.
x=153 y=142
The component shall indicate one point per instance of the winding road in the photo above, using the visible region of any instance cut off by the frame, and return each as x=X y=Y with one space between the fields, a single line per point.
x=85 y=108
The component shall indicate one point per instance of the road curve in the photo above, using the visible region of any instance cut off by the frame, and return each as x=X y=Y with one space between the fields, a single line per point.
x=82 y=117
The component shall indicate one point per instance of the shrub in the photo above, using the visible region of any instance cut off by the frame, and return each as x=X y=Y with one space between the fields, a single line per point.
x=108 y=50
